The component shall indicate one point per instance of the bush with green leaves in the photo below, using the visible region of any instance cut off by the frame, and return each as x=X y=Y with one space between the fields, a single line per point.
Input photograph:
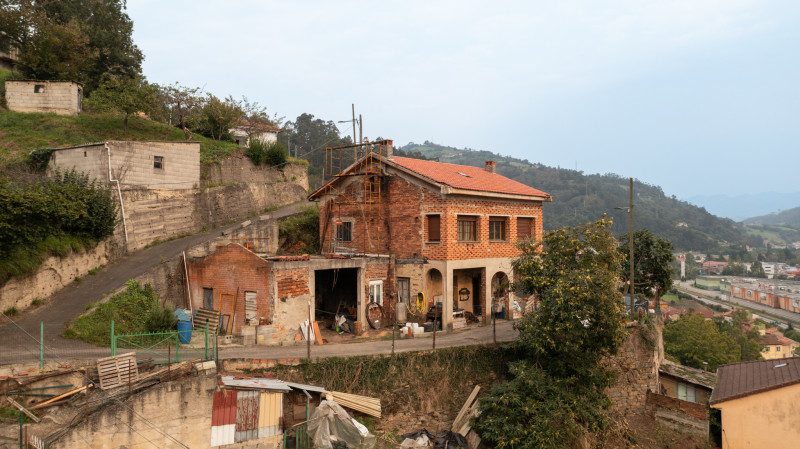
x=135 y=310
x=558 y=390
x=269 y=153
x=299 y=234
x=51 y=217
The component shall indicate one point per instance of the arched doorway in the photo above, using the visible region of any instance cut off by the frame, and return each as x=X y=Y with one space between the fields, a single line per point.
x=500 y=296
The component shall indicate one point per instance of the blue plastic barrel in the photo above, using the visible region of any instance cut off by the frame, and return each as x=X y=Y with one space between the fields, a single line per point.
x=185 y=331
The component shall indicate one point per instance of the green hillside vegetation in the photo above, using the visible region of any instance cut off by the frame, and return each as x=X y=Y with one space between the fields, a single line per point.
x=579 y=198
x=789 y=218
x=774 y=234
x=21 y=133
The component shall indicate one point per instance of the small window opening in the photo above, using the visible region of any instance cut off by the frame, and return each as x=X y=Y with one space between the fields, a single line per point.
x=158 y=162
x=38 y=88
x=84 y=154
x=344 y=231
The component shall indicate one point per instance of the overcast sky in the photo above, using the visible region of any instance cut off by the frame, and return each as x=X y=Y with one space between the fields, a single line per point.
x=699 y=97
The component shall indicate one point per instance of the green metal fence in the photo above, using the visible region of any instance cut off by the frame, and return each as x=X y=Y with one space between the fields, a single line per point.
x=166 y=347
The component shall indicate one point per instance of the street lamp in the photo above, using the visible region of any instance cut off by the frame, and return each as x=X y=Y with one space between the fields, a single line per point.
x=629 y=209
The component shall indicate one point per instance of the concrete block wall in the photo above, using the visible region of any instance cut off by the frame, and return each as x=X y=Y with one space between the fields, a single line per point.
x=133 y=164
x=158 y=214
x=89 y=159
x=60 y=97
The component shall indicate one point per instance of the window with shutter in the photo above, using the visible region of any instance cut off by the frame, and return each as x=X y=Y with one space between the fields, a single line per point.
x=434 y=228
x=524 y=228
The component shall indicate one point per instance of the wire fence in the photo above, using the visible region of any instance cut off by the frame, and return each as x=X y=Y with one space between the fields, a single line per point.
x=39 y=344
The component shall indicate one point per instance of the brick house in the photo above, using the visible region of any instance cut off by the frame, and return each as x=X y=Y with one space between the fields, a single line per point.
x=449 y=231
x=393 y=230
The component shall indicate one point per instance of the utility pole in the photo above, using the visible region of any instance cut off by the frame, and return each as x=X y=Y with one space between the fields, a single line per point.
x=630 y=241
x=355 y=149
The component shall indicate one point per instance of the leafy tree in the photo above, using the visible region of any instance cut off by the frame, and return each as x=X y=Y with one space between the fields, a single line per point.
x=555 y=394
x=256 y=120
x=652 y=272
x=218 y=116
x=693 y=340
x=757 y=270
x=95 y=37
x=309 y=136
x=181 y=103
x=124 y=95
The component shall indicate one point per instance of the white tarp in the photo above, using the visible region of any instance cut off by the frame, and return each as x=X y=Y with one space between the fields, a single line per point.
x=330 y=423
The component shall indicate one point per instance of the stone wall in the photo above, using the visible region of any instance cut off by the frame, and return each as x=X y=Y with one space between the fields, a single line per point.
x=239 y=169
x=60 y=97
x=637 y=367
x=54 y=274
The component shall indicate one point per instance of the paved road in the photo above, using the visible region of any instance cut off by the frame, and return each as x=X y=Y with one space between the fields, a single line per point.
x=469 y=336
x=778 y=314
x=72 y=300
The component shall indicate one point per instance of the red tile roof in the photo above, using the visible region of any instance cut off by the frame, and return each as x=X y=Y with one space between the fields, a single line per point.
x=738 y=380
x=466 y=177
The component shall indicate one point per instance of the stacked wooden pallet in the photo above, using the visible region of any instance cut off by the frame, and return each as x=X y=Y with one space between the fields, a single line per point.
x=206 y=316
x=364 y=404
x=117 y=370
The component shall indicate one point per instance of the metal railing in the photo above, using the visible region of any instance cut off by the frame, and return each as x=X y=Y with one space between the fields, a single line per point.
x=167 y=347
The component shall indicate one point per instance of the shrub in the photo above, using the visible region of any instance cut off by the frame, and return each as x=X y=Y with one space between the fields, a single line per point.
x=134 y=311
x=272 y=153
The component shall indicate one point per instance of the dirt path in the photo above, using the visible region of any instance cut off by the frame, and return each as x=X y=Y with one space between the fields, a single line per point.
x=16 y=346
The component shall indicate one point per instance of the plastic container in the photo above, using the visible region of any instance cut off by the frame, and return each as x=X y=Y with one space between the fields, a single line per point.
x=185 y=331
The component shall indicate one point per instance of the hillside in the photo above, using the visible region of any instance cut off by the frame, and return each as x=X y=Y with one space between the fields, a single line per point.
x=22 y=133
x=788 y=218
x=579 y=198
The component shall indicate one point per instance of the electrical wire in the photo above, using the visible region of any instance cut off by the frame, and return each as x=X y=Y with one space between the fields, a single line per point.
x=156 y=428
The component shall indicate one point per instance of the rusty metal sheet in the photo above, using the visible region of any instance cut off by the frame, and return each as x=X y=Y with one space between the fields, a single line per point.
x=246 y=416
x=223 y=418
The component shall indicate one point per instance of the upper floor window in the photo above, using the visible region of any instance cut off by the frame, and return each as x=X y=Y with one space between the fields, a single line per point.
x=467 y=228
x=158 y=162
x=344 y=231
x=497 y=228
x=525 y=227
x=434 y=224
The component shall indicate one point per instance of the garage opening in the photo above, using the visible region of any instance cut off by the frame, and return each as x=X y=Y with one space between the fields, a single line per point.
x=336 y=291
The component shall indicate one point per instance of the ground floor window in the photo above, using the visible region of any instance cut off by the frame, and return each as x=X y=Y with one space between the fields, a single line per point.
x=376 y=292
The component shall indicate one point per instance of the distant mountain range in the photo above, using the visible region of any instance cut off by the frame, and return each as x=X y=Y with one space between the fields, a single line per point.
x=579 y=198
x=741 y=207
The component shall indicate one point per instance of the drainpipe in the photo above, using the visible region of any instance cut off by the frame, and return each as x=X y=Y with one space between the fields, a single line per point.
x=119 y=191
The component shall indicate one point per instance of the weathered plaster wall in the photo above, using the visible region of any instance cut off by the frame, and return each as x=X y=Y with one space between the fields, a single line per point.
x=180 y=408
x=763 y=420
x=54 y=274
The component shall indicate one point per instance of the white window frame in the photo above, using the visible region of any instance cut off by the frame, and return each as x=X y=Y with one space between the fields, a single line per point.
x=689 y=392
x=376 y=292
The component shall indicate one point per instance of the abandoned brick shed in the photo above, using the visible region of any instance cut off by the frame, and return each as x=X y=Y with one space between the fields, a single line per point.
x=393 y=229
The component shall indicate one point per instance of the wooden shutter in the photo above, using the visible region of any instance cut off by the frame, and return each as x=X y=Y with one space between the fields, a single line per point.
x=524 y=228
x=434 y=228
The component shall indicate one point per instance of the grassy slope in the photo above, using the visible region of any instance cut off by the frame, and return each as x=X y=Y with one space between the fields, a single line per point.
x=22 y=133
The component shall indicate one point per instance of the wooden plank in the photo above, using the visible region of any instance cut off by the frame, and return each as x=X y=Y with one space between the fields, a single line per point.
x=462 y=414
x=117 y=370
x=317 y=333
x=19 y=406
x=67 y=394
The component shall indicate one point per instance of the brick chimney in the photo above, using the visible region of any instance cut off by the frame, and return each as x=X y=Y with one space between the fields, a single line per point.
x=389 y=149
x=491 y=166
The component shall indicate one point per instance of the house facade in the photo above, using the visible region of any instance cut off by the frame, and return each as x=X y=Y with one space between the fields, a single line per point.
x=776 y=346
x=60 y=97
x=758 y=403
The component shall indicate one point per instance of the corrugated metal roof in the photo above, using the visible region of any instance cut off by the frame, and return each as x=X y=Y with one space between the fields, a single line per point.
x=304 y=387
x=738 y=380
x=256 y=383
